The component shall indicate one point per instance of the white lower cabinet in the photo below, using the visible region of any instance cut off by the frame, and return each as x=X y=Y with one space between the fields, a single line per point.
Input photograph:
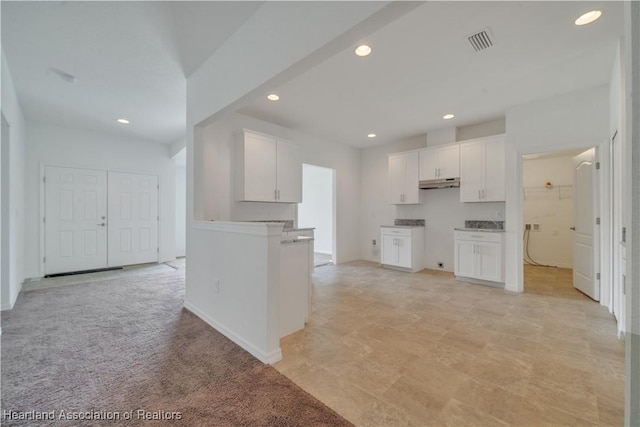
x=403 y=248
x=479 y=256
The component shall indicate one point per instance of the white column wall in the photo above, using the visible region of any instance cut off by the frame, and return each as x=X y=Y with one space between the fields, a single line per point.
x=12 y=267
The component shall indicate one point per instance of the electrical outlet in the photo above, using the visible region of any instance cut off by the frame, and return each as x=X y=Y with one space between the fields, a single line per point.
x=441 y=265
x=536 y=227
x=527 y=226
x=373 y=242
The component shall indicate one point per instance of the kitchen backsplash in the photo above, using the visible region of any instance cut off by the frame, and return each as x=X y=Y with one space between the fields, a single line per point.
x=409 y=222
x=488 y=225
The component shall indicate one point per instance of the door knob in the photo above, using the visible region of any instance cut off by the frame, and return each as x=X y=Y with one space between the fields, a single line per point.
x=102 y=224
x=573 y=228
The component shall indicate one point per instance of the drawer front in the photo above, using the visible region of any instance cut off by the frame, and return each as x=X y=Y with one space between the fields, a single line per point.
x=479 y=236
x=391 y=231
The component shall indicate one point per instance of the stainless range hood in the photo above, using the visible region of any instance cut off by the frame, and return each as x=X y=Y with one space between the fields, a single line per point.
x=433 y=184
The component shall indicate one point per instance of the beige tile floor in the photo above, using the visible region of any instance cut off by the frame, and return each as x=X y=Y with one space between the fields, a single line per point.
x=387 y=348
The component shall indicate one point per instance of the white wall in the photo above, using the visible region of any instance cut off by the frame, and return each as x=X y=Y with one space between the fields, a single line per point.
x=479 y=130
x=316 y=209
x=13 y=156
x=551 y=208
x=216 y=179
x=57 y=146
x=442 y=211
x=573 y=120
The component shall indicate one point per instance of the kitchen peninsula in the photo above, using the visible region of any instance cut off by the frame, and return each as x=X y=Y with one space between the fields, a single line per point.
x=243 y=292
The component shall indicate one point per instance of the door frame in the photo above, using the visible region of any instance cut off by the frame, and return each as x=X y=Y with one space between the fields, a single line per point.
x=42 y=211
x=517 y=208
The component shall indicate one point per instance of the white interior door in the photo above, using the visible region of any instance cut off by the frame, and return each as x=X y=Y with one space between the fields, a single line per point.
x=75 y=219
x=133 y=218
x=585 y=239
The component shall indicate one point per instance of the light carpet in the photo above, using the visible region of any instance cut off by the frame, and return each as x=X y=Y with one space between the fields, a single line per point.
x=126 y=344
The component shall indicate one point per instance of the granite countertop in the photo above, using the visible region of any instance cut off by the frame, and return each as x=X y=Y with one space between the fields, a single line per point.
x=297 y=239
x=482 y=225
x=482 y=230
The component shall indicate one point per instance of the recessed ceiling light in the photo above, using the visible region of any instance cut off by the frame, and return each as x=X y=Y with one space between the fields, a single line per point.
x=123 y=121
x=371 y=135
x=448 y=116
x=363 y=50
x=273 y=97
x=588 y=17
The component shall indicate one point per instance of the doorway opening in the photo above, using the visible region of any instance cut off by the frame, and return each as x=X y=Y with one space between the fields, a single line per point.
x=560 y=239
x=317 y=210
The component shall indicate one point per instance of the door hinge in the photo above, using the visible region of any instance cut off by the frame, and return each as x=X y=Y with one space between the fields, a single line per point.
x=44 y=219
x=158 y=217
x=158 y=186
x=624 y=234
x=44 y=259
x=158 y=250
x=597 y=165
x=44 y=179
x=598 y=276
x=598 y=221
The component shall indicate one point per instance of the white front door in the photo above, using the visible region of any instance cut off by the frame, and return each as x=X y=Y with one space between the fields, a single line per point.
x=133 y=218
x=75 y=219
x=586 y=238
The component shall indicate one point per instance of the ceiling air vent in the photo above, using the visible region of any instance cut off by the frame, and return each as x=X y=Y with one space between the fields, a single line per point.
x=481 y=40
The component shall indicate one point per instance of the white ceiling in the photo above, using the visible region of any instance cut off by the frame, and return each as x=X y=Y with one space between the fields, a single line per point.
x=131 y=59
x=422 y=68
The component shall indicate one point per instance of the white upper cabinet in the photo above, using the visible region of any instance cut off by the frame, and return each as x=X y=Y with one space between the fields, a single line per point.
x=403 y=178
x=268 y=169
x=482 y=170
x=440 y=162
x=288 y=172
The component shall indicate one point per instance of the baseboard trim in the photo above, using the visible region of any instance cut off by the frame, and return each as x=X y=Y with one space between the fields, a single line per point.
x=266 y=358
x=481 y=282
x=9 y=306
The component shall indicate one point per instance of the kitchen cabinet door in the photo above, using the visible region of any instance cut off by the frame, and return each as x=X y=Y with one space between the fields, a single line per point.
x=288 y=173
x=403 y=178
x=428 y=164
x=471 y=171
x=396 y=179
x=411 y=178
x=403 y=246
x=449 y=162
x=489 y=261
x=465 y=258
x=259 y=168
x=494 y=170
x=389 y=252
